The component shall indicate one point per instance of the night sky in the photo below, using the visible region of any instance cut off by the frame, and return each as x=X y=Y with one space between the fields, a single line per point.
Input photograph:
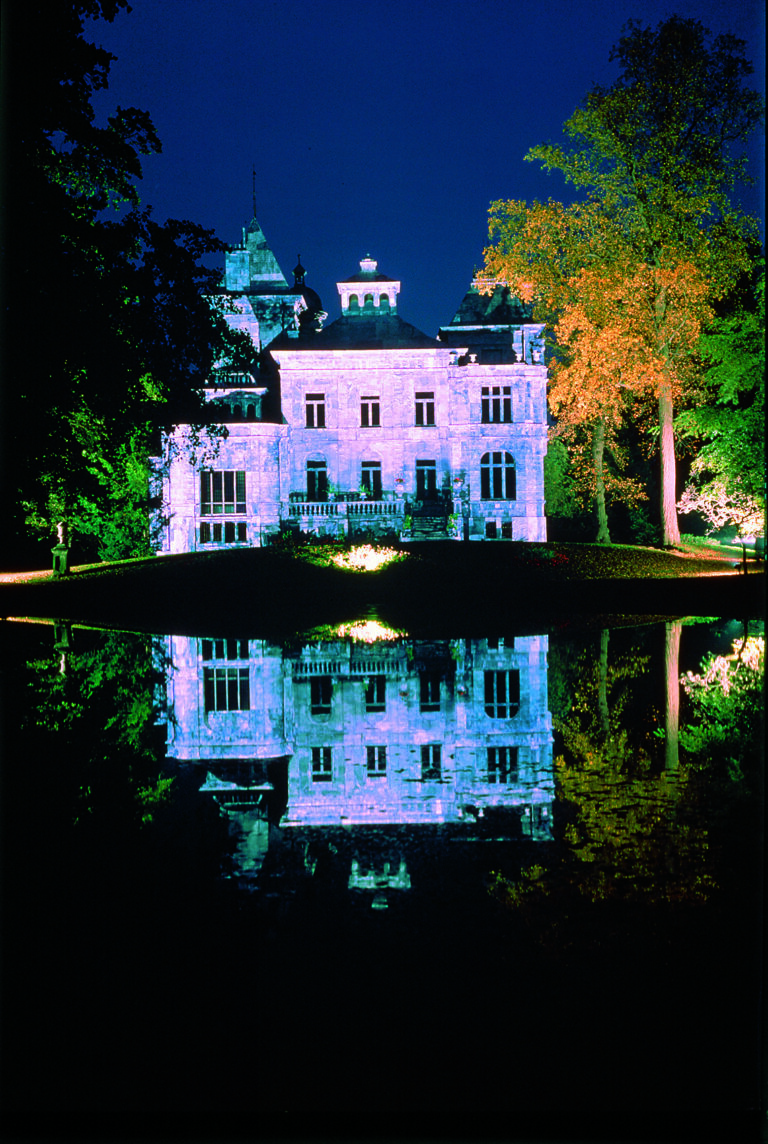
x=374 y=127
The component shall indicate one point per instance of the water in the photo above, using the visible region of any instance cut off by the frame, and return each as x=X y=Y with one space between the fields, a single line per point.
x=359 y=876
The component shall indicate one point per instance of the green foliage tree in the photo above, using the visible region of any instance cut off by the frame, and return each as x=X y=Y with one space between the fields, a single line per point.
x=109 y=334
x=727 y=484
x=656 y=155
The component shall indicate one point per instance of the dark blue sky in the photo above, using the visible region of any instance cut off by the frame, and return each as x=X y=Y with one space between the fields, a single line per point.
x=381 y=126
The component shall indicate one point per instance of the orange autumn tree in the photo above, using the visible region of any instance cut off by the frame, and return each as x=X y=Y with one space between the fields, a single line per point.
x=656 y=157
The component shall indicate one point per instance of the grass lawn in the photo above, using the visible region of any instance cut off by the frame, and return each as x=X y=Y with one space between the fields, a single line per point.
x=466 y=586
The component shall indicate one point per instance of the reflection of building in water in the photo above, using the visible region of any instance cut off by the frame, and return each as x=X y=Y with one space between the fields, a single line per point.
x=401 y=732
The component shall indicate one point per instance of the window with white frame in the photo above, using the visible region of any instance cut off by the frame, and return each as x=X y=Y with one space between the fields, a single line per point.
x=496 y=403
x=222 y=492
x=429 y=691
x=502 y=693
x=502 y=764
x=315 y=411
x=376 y=762
x=317 y=481
x=370 y=412
x=375 y=693
x=431 y=762
x=224 y=649
x=425 y=408
x=320 y=695
x=497 y=476
x=227 y=689
x=322 y=768
x=370 y=478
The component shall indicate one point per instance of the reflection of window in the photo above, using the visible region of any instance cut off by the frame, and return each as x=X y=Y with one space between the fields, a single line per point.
x=496 y=403
x=317 y=480
x=221 y=492
x=502 y=693
x=315 y=408
x=370 y=412
x=322 y=771
x=429 y=691
x=321 y=689
x=376 y=761
x=430 y=761
x=370 y=478
x=497 y=477
x=227 y=689
x=502 y=764
x=224 y=649
x=425 y=408
x=375 y=692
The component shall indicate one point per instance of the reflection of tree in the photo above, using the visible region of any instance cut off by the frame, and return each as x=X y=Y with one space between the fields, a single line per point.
x=631 y=829
x=724 y=737
x=93 y=725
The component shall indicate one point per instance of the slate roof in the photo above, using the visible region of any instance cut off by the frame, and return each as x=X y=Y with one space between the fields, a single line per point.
x=361 y=333
x=500 y=308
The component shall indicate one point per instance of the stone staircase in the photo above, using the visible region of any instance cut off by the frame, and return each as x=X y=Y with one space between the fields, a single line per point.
x=429 y=523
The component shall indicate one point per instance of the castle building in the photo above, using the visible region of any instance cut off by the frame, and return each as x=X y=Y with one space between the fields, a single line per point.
x=364 y=425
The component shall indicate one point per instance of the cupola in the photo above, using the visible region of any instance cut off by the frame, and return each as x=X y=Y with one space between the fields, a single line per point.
x=368 y=294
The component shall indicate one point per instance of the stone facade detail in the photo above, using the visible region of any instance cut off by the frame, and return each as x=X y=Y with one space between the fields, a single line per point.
x=394 y=731
x=365 y=426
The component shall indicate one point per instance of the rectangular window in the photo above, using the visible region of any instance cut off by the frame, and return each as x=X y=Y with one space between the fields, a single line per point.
x=502 y=694
x=227 y=689
x=216 y=533
x=502 y=764
x=321 y=690
x=242 y=532
x=496 y=403
x=315 y=409
x=375 y=692
x=425 y=408
x=317 y=481
x=322 y=770
x=376 y=761
x=370 y=412
x=431 y=764
x=205 y=533
x=224 y=649
x=429 y=691
x=370 y=478
x=506 y=530
x=222 y=492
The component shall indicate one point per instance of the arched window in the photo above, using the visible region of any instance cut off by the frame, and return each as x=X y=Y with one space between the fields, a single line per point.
x=384 y=302
x=368 y=302
x=497 y=476
x=354 y=302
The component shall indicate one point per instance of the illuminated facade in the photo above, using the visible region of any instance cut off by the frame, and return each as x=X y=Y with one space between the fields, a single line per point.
x=395 y=732
x=364 y=425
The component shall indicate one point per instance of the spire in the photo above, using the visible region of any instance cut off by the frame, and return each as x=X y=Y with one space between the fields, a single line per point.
x=299 y=273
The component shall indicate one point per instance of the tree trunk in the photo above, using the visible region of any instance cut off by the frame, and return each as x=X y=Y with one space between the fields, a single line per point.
x=602 y=685
x=672 y=676
x=598 y=449
x=671 y=529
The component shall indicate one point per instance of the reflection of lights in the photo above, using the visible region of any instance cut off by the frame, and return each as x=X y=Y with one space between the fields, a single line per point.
x=366 y=558
x=367 y=631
